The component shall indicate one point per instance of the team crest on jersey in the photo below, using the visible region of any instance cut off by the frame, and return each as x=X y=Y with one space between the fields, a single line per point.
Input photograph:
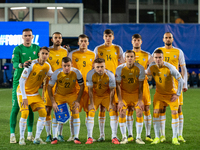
x=105 y=82
x=175 y=56
x=123 y=76
x=137 y=76
x=34 y=73
x=95 y=82
x=91 y=60
x=45 y=73
x=144 y=59
x=76 y=59
x=50 y=58
x=60 y=81
x=154 y=73
x=165 y=75
x=34 y=52
x=115 y=53
x=74 y=80
x=101 y=54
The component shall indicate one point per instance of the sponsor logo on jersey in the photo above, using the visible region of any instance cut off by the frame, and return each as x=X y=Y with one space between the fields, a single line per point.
x=50 y=58
x=34 y=52
x=34 y=73
x=108 y=50
x=61 y=110
x=59 y=116
x=84 y=57
x=76 y=59
x=101 y=54
x=65 y=115
x=57 y=55
x=131 y=73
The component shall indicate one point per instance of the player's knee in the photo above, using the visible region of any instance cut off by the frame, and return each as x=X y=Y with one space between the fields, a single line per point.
x=91 y=113
x=146 y=108
x=122 y=113
x=179 y=109
x=42 y=112
x=112 y=113
x=48 y=117
x=102 y=108
x=24 y=114
x=174 y=112
x=156 y=111
x=48 y=110
x=138 y=113
x=102 y=114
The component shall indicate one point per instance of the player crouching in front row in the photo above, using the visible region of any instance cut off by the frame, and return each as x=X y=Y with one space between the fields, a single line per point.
x=27 y=93
x=66 y=92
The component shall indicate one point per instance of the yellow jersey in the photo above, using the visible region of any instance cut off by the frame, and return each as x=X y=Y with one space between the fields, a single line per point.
x=55 y=57
x=101 y=84
x=112 y=55
x=66 y=83
x=164 y=78
x=83 y=61
x=129 y=78
x=32 y=77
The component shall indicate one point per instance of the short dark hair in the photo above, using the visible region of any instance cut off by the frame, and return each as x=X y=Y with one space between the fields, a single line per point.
x=56 y=33
x=129 y=51
x=108 y=31
x=158 y=51
x=44 y=47
x=66 y=59
x=99 y=60
x=27 y=29
x=137 y=36
x=168 y=32
x=83 y=36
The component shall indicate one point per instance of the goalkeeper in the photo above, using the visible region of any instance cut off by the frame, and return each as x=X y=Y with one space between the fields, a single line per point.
x=21 y=57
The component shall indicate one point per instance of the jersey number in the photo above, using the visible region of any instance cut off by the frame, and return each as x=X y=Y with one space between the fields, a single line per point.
x=39 y=77
x=167 y=59
x=130 y=80
x=67 y=84
x=57 y=62
x=108 y=57
x=84 y=63
x=160 y=79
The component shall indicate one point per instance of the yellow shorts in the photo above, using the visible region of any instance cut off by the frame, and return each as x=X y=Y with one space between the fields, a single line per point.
x=181 y=98
x=146 y=93
x=69 y=98
x=130 y=99
x=160 y=99
x=103 y=100
x=34 y=101
x=84 y=101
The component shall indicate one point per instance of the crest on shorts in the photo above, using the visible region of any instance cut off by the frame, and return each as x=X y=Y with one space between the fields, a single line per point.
x=34 y=73
x=154 y=73
x=50 y=58
x=76 y=59
x=101 y=54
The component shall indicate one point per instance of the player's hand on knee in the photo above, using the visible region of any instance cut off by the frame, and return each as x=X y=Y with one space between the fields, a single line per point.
x=120 y=105
x=112 y=107
x=90 y=107
x=174 y=97
x=55 y=107
x=27 y=63
x=24 y=103
x=75 y=105
x=141 y=105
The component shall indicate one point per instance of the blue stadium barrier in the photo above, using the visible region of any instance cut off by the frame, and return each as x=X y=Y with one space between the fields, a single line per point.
x=186 y=37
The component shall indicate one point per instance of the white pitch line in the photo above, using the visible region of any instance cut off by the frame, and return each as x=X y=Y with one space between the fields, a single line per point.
x=5 y=89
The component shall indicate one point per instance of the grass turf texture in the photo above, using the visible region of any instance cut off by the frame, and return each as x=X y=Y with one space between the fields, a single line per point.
x=190 y=133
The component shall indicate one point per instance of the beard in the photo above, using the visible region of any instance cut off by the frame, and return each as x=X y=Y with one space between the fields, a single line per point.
x=136 y=47
x=168 y=44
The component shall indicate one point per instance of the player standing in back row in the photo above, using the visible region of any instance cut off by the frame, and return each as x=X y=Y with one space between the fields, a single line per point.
x=113 y=55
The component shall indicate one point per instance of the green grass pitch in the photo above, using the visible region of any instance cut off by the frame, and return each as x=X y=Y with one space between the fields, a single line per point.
x=191 y=128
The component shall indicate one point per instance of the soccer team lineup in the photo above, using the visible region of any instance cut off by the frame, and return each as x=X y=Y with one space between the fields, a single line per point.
x=106 y=78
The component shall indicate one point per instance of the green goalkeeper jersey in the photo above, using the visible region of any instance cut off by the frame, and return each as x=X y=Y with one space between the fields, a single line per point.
x=21 y=54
